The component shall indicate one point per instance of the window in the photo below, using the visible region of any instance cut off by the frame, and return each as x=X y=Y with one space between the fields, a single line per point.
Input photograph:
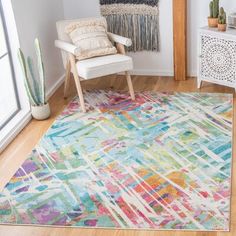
x=14 y=106
x=9 y=100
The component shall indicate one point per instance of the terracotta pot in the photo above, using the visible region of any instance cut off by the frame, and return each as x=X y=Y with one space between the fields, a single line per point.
x=212 y=22
x=41 y=112
x=222 y=27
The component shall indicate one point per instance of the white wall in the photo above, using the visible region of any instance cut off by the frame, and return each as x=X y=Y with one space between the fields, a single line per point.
x=150 y=63
x=37 y=18
x=144 y=62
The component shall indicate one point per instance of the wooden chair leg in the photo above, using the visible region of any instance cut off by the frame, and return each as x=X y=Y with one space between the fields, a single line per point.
x=130 y=85
x=80 y=93
x=67 y=80
x=77 y=82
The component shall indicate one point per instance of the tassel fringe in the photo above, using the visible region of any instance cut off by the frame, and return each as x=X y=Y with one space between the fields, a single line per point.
x=142 y=29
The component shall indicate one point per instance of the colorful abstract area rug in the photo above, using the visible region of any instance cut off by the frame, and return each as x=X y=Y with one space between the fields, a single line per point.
x=162 y=162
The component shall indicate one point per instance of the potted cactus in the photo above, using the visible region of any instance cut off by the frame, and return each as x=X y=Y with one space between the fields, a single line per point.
x=35 y=87
x=222 y=20
x=214 y=13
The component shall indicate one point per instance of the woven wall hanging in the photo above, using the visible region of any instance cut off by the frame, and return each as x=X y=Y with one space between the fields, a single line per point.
x=136 y=19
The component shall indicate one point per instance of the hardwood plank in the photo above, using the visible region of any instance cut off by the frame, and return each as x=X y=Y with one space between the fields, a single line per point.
x=17 y=151
x=180 y=39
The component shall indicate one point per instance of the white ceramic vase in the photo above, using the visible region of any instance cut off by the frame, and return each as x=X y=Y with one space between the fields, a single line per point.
x=41 y=112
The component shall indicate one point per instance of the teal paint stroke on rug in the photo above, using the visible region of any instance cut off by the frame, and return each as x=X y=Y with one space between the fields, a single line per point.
x=162 y=162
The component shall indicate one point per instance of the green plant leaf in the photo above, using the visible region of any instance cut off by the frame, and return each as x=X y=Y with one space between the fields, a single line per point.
x=35 y=83
x=26 y=80
x=40 y=68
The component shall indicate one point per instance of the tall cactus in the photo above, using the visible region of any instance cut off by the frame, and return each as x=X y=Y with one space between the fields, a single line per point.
x=214 y=8
x=35 y=88
x=211 y=9
x=222 y=16
x=217 y=6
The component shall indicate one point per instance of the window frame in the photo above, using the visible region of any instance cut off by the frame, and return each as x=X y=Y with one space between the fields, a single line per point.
x=23 y=117
x=13 y=77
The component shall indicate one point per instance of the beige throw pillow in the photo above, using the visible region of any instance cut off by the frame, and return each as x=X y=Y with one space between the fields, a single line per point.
x=91 y=39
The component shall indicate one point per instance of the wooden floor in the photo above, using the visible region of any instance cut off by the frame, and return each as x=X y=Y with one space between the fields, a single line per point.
x=16 y=153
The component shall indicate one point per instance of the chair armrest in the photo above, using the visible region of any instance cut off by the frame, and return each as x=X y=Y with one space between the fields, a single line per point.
x=120 y=39
x=65 y=46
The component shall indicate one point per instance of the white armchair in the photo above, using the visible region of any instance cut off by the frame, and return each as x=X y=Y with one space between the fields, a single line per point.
x=93 y=67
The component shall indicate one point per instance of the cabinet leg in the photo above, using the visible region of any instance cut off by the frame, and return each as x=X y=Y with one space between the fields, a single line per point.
x=199 y=84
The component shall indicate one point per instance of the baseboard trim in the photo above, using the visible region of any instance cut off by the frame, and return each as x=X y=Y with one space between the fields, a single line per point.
x=15 y=130
x=192 y=74
x=159 y=73
x=54 y=88
x=152 y=72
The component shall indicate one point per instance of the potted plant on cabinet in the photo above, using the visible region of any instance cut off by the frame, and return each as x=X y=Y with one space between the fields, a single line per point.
x=35 y=87
x=214 y=13
x=222 y=20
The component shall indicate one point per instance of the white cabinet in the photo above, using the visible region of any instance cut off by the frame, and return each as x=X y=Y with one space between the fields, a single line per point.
x=217 y=57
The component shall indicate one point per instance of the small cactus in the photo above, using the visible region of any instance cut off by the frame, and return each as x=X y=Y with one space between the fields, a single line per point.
x=214 y=9
x=222 y=16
